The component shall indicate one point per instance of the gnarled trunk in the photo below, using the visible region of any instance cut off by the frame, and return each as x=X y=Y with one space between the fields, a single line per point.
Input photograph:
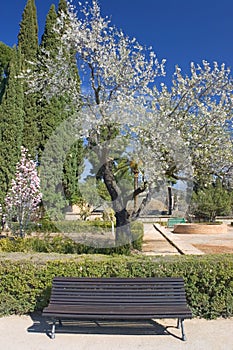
x=123 y=232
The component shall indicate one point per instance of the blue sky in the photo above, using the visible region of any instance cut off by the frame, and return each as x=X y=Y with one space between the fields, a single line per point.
x=179 y=30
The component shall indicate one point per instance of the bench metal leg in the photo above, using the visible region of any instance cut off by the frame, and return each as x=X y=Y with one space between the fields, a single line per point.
x=53 y=330
x=178 y=324
x=182 y=329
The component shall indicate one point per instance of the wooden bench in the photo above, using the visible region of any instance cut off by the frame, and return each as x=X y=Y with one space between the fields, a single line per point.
x=117 y=299
x=174 y=221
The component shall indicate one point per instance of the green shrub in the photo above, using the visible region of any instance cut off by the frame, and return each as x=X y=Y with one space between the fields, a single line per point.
x=62 y=244
x=57 y=244
x=162 y=223
x=25 y=285
x=137 y=230
x=70 y=226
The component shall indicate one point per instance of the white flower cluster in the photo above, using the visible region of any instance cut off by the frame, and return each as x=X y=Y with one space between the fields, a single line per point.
x=24 y=195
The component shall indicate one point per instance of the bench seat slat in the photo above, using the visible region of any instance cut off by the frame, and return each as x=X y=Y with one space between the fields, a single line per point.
x=110 y=280
x=126 y=290
x=139 y=286
x=120 y=295
x=103 y=309
x=119 y=312
x=86 y=300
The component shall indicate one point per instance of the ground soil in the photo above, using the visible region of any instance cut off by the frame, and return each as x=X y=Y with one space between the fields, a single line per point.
x=214 y=249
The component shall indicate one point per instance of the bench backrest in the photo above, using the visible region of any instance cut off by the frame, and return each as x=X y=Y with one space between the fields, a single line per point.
x=84 y=290
x=174 y=221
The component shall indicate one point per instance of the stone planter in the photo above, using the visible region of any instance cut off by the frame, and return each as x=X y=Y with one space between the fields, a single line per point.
x=200 y=228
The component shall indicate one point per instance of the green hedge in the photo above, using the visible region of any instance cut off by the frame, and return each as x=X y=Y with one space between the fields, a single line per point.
x=57 y=244
x=70 y=226
x=25 y=285
x=65 y=245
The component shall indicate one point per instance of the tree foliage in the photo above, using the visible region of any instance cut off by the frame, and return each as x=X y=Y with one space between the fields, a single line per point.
x=211 y=201
x=11 y=124
x=28 y=34
x=56 y=110
x=199 y=108
x=5 y=57
x=28 y=46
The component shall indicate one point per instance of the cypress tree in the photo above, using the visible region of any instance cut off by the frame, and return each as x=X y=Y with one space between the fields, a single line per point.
x=73 y=165
x=62 y=6
x=5 y=57
x=73 y=168
x=58 y=108
x=52 y=114
x=28 y=34
x=50 y=37
x=11 y=124
x=28 y=45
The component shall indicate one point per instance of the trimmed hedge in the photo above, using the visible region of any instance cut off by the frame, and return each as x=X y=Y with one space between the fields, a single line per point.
x=25 y=286
x=71 y=226
x=65 y=245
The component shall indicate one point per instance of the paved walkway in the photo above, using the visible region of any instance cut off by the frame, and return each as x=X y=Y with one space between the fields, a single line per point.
x=29 y=333
x=155 y=243
x=160 y=241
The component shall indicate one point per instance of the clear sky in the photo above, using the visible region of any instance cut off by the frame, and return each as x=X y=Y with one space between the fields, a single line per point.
x=179 y=30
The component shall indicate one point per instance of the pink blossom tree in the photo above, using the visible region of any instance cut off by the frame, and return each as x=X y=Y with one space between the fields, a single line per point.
x=24 y=195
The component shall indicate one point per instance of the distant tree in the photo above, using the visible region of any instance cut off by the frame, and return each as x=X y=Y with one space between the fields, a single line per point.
x=211 y=201
x=24 y=194
x=28 y=46
x=93 y=192
x=73 y=168
x=11 y=124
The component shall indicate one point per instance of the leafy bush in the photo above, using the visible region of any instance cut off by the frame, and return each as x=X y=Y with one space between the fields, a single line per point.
x=56 y=244
x=211 y=201
x=61 y=244
x=26 y=285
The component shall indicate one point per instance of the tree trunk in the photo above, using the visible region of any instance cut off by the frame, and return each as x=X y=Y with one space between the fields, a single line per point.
x=123 y=232
x=136 y=172
x=170 y=201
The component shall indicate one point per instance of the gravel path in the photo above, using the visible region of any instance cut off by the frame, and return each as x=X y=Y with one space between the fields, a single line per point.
x=29 y=333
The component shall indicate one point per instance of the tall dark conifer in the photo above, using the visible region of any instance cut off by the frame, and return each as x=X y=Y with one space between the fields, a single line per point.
x=52 y=114
x=28 y=34
x=28 y=45
x=58 y=108
x=11 y=124
x=5 y=57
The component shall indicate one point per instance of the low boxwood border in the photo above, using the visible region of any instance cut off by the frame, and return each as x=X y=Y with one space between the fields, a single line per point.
x=47 y=242
x=25 y=285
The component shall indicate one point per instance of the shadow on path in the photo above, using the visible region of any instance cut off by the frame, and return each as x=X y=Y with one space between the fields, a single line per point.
x=44 y=325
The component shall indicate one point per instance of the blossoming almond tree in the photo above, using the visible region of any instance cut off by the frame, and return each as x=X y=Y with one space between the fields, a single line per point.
x=116 y=74
x=24 y=195
x=123 y=117
x=199 y=107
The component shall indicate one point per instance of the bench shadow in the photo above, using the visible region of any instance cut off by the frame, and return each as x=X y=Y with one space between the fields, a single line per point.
x=109 y=327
